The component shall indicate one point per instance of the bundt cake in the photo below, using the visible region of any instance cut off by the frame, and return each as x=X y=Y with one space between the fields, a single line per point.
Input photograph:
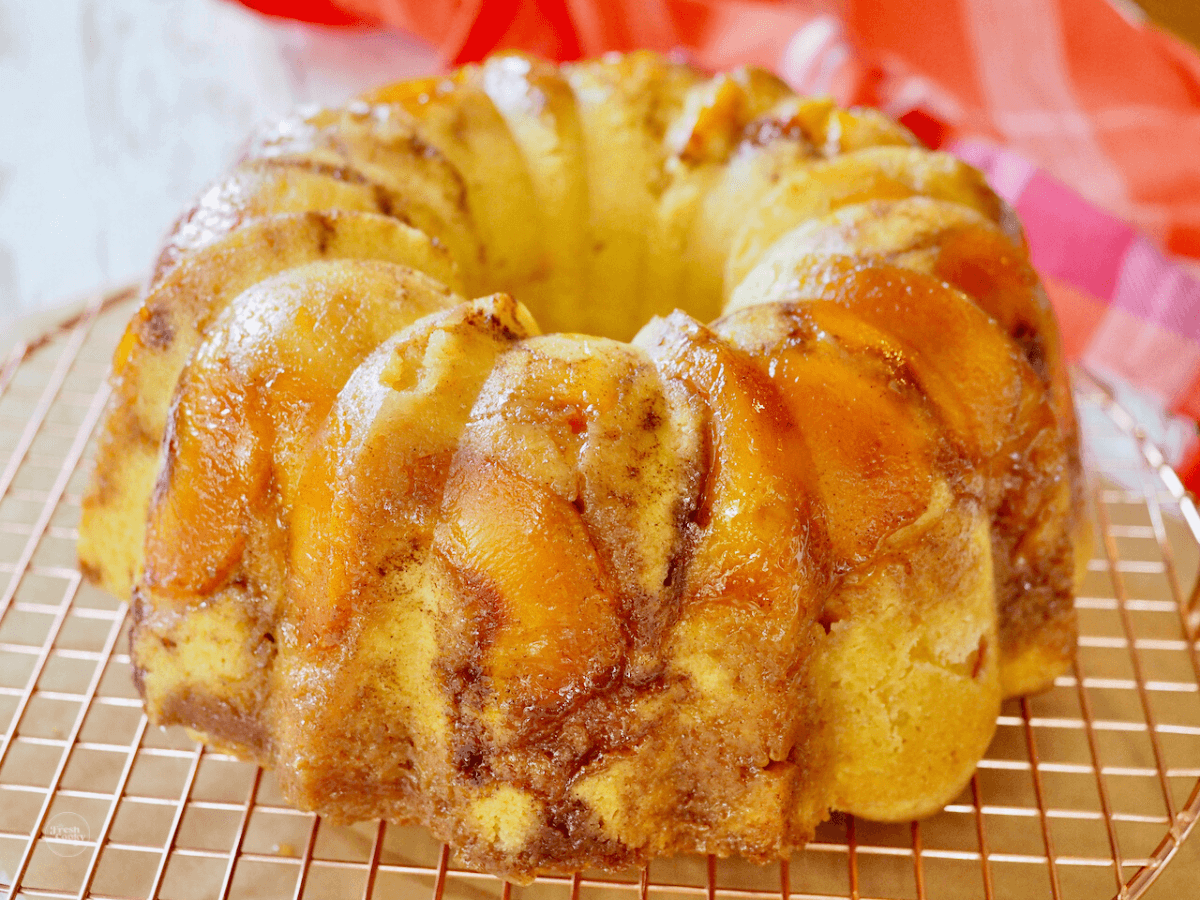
x=578 y=581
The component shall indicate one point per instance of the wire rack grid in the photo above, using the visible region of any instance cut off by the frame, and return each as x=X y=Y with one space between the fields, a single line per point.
x=1087 y=791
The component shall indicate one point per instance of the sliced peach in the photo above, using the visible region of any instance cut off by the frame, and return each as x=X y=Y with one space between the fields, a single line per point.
x=876 y=173
x=534 y=595
x=758 y=531
x=753 y=585
x=369 y=494
x=871 y=446
x=934 y=338
x=593 y=421
x=247 y=406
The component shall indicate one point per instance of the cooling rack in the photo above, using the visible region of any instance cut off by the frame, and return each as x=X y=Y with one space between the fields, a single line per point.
x=1086 y=792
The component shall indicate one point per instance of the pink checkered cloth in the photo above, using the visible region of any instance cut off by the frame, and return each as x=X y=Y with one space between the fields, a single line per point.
x=1083 y=115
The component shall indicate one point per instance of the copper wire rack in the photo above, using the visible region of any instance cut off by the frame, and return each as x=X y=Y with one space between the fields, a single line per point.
x=1087 y=791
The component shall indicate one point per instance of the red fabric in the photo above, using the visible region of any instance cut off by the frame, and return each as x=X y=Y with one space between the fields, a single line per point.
x=319 y=12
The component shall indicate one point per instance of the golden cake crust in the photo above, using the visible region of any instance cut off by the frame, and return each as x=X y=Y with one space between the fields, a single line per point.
x=634 y=586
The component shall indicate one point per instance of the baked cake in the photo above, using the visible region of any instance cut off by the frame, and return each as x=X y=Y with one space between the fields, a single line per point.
x=432 y=490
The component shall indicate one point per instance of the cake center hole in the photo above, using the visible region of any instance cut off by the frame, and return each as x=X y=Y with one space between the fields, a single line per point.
x=617 y=301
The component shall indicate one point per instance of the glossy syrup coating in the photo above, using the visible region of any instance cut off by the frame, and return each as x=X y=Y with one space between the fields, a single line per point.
x=634 y=586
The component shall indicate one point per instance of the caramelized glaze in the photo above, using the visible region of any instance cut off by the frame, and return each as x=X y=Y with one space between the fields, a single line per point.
x=566 y=600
